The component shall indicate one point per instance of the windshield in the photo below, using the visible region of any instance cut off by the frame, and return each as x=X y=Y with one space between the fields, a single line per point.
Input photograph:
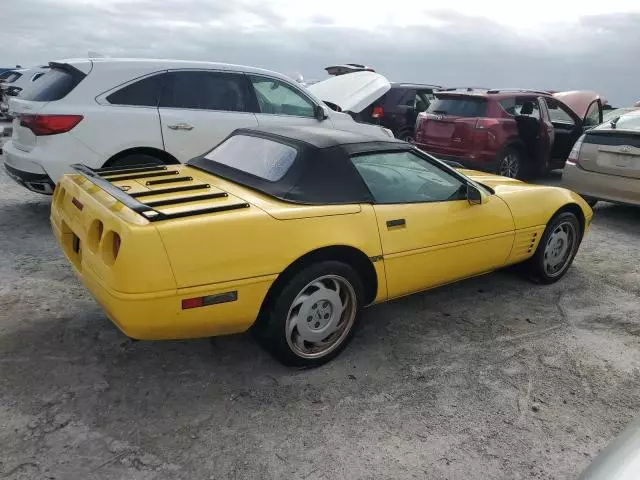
x=256 y=156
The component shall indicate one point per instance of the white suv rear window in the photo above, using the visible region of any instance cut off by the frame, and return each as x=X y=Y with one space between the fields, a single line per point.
x=256 y=156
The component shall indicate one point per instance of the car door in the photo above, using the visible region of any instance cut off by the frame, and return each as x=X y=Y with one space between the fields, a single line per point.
x=200 y=108
x=280 y=103
x=547 y=132
x=593 y=117
x=430 y=233
x=567 y=129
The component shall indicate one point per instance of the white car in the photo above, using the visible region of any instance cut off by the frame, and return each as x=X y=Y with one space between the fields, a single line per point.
x=125 y=112
x=16 y=81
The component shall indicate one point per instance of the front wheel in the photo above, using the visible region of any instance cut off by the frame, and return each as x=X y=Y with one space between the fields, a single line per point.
x=556 y=250
x=313 y=316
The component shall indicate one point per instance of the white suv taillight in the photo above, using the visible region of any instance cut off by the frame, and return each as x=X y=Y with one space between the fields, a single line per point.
x=573 y=158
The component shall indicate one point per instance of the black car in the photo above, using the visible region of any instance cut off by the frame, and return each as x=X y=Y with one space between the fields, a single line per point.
x=370 y=98
x=398 y=109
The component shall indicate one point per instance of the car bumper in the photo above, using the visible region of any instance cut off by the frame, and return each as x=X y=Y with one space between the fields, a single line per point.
x=601 y=186
x=36 y=182
x=159 y=315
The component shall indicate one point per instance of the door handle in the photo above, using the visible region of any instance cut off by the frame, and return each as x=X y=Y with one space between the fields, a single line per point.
x=398 y=222
x=180 y=126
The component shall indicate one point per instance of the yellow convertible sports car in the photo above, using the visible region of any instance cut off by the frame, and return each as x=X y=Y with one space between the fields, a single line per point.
x=292 y=231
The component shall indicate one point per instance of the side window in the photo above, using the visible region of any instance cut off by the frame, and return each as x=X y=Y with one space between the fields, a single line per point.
x=404 y=177
x=203 y=90
x=592 y=118
x=518 y=106
x=278 y=98
x=558 y=113
x=143 y=93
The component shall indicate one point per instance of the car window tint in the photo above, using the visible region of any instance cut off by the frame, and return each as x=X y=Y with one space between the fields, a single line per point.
x=278 y=98
x=53 y=85
x=145 y=92
x=205 y=91
x=592 y=118
x=460 y=106
x=558 y=114
x=404 y=177
x=266 y=159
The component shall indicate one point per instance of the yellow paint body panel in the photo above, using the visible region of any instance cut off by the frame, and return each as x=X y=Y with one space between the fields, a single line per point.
x=159 y=264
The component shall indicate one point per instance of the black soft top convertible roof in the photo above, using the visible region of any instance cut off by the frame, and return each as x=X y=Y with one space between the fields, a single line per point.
x=322 y=172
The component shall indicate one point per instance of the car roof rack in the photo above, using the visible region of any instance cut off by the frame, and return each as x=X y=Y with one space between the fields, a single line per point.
x=517 y=90
x=463 y=89
x=147 y=210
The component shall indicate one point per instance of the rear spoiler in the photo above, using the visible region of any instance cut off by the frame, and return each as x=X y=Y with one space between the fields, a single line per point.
x=147 y=210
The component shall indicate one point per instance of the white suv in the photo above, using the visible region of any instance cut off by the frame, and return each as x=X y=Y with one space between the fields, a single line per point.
x=125 y=112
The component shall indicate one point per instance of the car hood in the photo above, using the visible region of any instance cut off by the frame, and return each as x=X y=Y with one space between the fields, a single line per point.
x=577 y=100
x=352 y=92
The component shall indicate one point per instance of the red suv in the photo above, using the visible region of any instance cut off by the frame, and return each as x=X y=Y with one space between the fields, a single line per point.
x=515 y=133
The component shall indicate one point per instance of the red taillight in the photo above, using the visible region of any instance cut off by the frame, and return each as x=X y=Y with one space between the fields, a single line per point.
x=484 y=123
x=49 y=124
x=378 y=112
x=192 y=303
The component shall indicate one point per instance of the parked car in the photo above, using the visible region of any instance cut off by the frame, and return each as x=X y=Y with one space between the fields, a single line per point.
x=516 y=133
x=14 y=84
x=620 y=460
x=120 y=113
x=171 y=251
x=604 y=164
x=393 y=105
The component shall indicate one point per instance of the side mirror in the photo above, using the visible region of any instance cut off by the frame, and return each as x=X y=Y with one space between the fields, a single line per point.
x=320 y=113
x=474 y=195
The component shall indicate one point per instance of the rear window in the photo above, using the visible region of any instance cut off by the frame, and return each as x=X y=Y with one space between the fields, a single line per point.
x=143 y=93
x=625 y=122
x=256 y=156
x=460 y=106
x=54 y=85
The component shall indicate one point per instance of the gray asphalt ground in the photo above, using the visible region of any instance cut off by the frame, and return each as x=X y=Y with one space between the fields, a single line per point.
x=491 y=378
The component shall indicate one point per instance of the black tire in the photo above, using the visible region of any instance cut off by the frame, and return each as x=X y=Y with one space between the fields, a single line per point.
x=271 y=327
x=537 y=267
x=406 y=135
x=135 y=160
x=510 y=163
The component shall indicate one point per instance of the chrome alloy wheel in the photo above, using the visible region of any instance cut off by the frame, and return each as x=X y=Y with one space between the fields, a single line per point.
x=510 y=165
x=559 y=249
x=321 y=316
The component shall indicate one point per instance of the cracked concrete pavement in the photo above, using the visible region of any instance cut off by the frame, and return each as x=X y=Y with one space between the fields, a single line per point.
x=490 y=378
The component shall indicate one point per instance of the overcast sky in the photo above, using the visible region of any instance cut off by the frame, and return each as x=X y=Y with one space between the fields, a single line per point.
x=553 y=44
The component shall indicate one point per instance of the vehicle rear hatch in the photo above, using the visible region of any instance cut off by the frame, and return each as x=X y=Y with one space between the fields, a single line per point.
x=55 y=84
x=450 y=120
x=352 y=92
x=613 y=148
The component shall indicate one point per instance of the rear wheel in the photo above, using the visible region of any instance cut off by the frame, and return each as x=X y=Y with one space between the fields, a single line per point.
x=311 y=318
x=510 y=163
x=136 y=160
x=406 y=135
x=556 y=250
